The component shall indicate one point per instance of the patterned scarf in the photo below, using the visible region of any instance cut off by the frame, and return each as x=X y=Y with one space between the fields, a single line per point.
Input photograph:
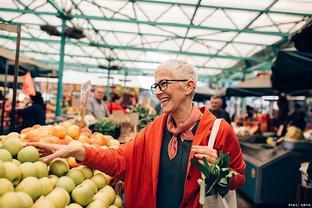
x=184 y=130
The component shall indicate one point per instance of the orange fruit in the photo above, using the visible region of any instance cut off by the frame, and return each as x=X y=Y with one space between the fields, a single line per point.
x=26 y=130
x=84 y=139
x=66 y=124
x=33 y=136
x=66 y=140
x=73 y=131
x=36 y=126
x=72 y=162
x=86 y=131
x=98 y=138
x=59 y=131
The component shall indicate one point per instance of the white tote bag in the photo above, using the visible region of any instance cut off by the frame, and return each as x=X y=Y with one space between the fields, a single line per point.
x=215 y=200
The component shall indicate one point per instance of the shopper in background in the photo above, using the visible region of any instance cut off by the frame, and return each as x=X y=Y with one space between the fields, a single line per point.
x=155 y=166
x=216 y=109
x=96 y=106
x=115 y=104
x=298 y=117
x=34 y=113
x=250 y=113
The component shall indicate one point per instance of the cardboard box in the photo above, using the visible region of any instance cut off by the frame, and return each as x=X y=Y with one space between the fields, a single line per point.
x=128 y=125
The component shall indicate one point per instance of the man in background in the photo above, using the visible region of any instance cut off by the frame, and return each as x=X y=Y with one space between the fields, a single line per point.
x=96 y=106
x=216 y=109
x=298 y=117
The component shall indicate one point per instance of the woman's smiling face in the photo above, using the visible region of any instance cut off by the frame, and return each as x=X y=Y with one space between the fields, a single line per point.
x=173 y=96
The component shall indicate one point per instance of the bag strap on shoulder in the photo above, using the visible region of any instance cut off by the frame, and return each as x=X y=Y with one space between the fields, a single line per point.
x=214 y=132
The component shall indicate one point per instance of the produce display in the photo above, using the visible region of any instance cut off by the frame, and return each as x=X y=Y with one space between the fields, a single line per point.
x=27 y=182
x=107 y=127
x=145 y=116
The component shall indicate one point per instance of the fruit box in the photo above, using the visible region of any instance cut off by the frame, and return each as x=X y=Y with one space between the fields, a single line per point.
x=128 y=125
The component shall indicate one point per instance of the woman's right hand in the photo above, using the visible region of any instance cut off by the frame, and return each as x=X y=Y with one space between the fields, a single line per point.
x=51 y=151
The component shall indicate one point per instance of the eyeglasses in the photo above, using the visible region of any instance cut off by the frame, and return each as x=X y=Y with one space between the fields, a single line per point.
x=163 y=84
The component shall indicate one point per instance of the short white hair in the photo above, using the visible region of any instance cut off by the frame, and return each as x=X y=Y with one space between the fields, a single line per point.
x=180 y=70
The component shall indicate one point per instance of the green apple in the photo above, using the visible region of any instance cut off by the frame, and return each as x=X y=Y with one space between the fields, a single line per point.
x=76 y=175
x=109 y=192
x=113 y=206
x=2 y=169
x=53 y=178
x=47 y=185
x=99 y=180
x=87 y=172
x=16 y=162
x=66 y=183
x=28 y=154
x=31 y=186
x=58 y=167
x=91 y=184
x=42 y=202
x=11 y=200
x=13 y=145
x=118 y=201
x=26 y=199
x=12 y=172
x=5 y=155
x=103 y=198
x=96 y=204
x=82 y=195
x=73 y=205
x=6 y=186
x=59 y=197
x=41 y=169
x=28 y=169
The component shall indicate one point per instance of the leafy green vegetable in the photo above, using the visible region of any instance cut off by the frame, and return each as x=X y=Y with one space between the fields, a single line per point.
x=216 y=175
x=104 y=126
x=142 y=111
x=144 y=116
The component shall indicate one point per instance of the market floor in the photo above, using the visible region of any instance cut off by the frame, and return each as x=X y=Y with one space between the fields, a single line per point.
x=243 y=201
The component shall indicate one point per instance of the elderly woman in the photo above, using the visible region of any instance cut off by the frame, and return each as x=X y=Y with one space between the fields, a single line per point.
x=155 y=166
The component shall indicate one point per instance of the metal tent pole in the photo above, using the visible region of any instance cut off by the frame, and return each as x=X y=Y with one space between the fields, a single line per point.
x=16 y=69
x=59 y=99
x=4 y=93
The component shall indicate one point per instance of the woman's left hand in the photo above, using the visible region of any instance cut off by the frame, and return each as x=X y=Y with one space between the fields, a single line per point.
x=203 y=151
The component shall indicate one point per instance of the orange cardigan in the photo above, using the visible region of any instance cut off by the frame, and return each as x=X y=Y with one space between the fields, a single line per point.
x=137 y=162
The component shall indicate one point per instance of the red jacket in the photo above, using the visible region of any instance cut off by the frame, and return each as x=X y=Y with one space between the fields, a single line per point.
x=137 y=162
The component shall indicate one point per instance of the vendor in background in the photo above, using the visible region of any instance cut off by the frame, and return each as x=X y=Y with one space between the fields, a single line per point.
x=115 y=104
x=216 y=109
x=96 y=106
x=298 y=117
x=155 y=166
x=34 y=113
x=250 y=113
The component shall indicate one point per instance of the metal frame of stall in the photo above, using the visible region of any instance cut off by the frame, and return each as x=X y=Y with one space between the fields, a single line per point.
x=15 y=29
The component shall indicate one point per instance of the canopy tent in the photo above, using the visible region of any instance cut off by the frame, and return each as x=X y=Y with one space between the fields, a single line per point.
x=213 y=35
x=292 y=71
x=26 y=64
x=219 y=37
x=257 y=87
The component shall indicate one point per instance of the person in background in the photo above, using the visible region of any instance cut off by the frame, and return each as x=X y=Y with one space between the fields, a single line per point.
x=298 y=117
x=250 y=113
x=96 y=106
x=115 y=104
x=33 y=114
x=156 y=166
x=216 y=109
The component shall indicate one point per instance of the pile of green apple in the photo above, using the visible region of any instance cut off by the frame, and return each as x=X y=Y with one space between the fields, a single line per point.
x=27 y=182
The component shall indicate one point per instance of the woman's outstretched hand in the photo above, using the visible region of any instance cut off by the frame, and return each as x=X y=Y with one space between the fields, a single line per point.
x=50 y=151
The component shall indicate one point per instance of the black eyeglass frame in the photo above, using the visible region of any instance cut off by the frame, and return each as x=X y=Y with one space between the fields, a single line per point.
x=167 y=81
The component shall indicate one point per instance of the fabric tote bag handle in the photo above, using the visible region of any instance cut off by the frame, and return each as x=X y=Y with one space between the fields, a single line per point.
x=216 y=201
